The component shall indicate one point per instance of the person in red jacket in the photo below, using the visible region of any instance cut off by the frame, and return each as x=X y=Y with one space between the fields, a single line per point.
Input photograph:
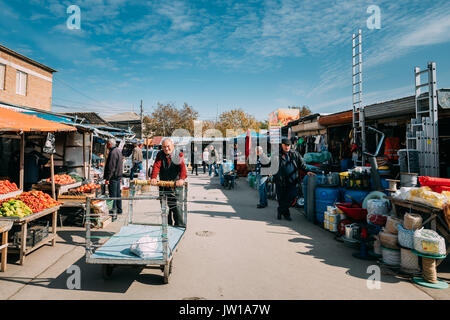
x=170 y=167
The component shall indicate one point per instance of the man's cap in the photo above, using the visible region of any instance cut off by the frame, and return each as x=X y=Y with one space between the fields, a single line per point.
x=286 y=141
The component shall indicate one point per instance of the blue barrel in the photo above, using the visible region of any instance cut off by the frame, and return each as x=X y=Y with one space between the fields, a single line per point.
x=325 y=197
x=384 y=183
x=305 y=194
x=355 y=194
x=221 y=178
x=346 y=164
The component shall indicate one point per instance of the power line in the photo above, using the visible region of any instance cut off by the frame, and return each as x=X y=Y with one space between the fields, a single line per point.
x=79 y=92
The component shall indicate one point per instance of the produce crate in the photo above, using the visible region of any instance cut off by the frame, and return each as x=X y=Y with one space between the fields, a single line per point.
x=101 y=222
x=125 y=192
x=35 y=235
x=82 y=198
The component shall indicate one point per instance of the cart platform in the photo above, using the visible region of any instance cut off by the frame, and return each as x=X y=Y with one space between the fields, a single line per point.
x=118 y=246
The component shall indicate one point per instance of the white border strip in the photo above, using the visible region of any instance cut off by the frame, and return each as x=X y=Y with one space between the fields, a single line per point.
x=23 y=69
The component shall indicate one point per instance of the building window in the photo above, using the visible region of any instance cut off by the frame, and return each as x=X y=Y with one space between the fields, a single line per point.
x=2 y=76
x=21 y=83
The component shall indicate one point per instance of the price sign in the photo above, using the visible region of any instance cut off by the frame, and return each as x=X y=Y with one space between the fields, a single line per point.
x=49 y=146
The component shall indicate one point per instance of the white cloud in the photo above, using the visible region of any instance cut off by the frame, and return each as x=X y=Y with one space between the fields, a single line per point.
x=438 y=31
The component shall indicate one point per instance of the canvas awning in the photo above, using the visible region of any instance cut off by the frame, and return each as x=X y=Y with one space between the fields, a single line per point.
x=13 y=121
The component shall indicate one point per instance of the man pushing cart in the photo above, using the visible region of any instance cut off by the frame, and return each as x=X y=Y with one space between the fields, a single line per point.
x=170 y=167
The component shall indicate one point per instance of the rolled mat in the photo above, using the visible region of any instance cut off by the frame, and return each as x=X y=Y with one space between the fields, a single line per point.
x=391 y=257
x=430 y=181
x=409 y=260
x=412 y=221
x=389 y=240
x=392 y=225
x=439 y=189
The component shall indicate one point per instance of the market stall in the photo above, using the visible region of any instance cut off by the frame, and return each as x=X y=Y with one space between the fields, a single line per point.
x=5 y=226
x=19 y=207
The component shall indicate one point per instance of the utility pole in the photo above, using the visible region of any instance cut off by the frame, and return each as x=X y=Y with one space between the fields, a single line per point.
x=142 y=121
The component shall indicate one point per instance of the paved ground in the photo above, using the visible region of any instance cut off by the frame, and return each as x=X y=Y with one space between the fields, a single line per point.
x=247 y=254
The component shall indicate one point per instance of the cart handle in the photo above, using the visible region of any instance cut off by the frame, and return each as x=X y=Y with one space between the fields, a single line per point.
x=159 y=183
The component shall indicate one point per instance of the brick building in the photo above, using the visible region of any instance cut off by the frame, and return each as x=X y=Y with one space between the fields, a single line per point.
x=24 y=82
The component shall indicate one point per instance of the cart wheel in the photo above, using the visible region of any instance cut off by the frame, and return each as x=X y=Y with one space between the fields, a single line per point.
x=107 y=270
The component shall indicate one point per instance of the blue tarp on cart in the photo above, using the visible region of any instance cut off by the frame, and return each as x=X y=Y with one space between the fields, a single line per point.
x=118 y=246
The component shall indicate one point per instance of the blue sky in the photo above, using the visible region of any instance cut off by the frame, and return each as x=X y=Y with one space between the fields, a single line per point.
x=218 y=55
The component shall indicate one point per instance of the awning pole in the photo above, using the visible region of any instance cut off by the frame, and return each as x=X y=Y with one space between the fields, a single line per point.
x=22 y=156
x=84 y=156
x=146 y=162
x=52 y=172
x=90 y=156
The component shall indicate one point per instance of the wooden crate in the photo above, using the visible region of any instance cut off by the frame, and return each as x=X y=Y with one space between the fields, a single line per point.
x=82 y=198
x=101 y=222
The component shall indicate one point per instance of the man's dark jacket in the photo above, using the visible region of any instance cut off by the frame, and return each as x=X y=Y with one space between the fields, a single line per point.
x=288 y=172
x=114 y=165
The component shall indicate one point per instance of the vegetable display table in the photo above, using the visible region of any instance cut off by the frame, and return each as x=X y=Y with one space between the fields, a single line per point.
x=59 y=188
x=23 y=223
x=5 y=226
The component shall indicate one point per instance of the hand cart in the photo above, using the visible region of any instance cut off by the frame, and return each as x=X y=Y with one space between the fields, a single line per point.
x=116 y=250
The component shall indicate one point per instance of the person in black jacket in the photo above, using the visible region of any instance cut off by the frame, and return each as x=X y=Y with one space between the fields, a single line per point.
x=287 y=177
x=113 y=173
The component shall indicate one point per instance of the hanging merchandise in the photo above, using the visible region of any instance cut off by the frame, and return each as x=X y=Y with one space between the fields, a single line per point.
x=391 y=147
x=49 y=146
x=429 y=242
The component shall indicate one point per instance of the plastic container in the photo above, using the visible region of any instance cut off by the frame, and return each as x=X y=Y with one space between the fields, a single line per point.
x=357 y=195
x=320 y=218
x=352 y=211
x=333 y=227
x=324 y=197
x=334 y=218
x=346 y=164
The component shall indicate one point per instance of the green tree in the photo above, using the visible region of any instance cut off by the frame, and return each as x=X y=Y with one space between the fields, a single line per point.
x=304 y=110
x=236 y=119
x=167 y=118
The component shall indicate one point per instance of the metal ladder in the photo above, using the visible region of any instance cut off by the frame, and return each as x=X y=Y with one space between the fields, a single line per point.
x=359 y=125
x=423 y=132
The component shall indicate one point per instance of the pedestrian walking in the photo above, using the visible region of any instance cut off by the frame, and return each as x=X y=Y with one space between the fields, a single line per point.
x=194 y=161
x=205 y=159
x=136 y=159
x=113 y=173
x=262 y=161
x=213 y=162
x=287 y=177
